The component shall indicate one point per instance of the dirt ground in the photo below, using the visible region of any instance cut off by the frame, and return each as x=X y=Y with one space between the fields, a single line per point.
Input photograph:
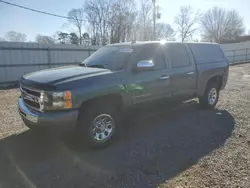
x=173 y=147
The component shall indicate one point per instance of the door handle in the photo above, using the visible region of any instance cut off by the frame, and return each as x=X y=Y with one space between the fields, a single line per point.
x=164 y=77
x=190 y=73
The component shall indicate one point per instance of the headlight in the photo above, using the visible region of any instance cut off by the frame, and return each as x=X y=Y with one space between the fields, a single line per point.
x=57 y=100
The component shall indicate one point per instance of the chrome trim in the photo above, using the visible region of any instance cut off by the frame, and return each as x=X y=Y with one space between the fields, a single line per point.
x=102 y=127
x=212 y=96
x=29 y=115
x=31 y=97
x=145 y=64
x=31 y=89
x=33 y=108
x=164 y=77
x=41 y=100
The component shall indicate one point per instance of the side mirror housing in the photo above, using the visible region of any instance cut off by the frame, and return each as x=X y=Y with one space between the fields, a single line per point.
x=144 y=65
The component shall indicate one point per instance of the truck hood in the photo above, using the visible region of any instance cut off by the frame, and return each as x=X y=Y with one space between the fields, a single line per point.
x=62 y=74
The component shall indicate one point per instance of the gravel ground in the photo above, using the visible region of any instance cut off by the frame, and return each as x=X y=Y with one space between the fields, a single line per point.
x=181 y=147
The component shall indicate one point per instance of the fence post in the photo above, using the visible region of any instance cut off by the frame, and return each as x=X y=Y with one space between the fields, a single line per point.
x=234 y=57
x=246 y=54
x=89 y=51
x=49 y=58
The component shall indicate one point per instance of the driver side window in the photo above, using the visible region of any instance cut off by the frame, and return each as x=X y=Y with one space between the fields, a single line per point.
x=155 y=54
x=159 y=60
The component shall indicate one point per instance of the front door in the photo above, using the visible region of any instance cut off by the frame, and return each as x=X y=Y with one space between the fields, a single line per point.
x=150 y=84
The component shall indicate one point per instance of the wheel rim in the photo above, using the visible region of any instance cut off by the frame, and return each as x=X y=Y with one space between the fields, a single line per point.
x=212 y=96
x=102 y=127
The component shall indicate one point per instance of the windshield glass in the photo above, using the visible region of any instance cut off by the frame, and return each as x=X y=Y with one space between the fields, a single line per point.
x=109 y=57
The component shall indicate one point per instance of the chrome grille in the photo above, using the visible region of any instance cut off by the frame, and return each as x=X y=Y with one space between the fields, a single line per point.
x=31 y=98
x=31 y=92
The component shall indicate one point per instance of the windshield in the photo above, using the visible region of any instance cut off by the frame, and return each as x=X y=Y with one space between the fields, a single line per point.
x=109 y=57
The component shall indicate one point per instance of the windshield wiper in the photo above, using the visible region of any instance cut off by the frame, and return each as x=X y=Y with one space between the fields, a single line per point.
x=97 y=66
x=82 y=65
x=93 y=66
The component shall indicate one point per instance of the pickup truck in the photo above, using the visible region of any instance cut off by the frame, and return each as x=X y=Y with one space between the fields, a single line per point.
x=94 y=95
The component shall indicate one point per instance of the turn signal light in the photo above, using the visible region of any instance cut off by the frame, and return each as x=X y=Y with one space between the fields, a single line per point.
x=67 y=95
x=68 y=104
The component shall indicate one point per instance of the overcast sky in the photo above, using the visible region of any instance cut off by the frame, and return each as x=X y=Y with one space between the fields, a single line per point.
x=31 y=23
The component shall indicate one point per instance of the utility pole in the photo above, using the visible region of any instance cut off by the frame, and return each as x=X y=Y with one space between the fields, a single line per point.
x=154 y=19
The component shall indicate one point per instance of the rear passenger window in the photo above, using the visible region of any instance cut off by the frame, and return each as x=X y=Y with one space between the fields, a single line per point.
x=178 y=55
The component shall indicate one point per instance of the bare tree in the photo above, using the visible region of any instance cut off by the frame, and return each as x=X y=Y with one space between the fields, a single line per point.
x=73 y=38
x=186 y=21
x=98 y=15
x=76 y=17
x=13 y=36
x=219 y=24
x=86 y=39
x=164 y=31
x=122 y=19
x=117 y=21
x=45 y=39
x=64 y=37
x=145 y=17
x=91 y=24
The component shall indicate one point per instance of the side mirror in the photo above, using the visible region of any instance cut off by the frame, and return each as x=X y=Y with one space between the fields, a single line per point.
x=144 y=65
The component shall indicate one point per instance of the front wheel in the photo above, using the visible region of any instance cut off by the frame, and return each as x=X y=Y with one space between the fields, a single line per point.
x=97 y=125
x=210 y=96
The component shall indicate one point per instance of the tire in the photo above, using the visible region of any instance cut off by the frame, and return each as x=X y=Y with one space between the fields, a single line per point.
x=210 y=96
x=98 y=124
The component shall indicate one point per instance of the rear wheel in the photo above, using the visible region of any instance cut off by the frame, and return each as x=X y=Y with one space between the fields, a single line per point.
x=210 y=96
x=98 y=124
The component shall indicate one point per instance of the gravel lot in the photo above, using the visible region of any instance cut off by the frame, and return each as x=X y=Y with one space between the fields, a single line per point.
x=179 y=147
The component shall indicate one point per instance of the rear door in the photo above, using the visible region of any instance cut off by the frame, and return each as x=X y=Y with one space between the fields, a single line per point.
x=183 y=69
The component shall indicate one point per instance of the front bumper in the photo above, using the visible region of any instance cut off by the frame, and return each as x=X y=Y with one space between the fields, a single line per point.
x=58 y=118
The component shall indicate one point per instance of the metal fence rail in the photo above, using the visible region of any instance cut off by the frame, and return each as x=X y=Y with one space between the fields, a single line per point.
x=17 y=59
x=237 y=55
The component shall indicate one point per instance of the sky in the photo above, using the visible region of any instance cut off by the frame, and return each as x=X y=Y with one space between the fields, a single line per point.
x=31 y=23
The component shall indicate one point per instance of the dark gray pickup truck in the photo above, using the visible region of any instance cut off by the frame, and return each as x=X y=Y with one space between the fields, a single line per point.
x=94 y=95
